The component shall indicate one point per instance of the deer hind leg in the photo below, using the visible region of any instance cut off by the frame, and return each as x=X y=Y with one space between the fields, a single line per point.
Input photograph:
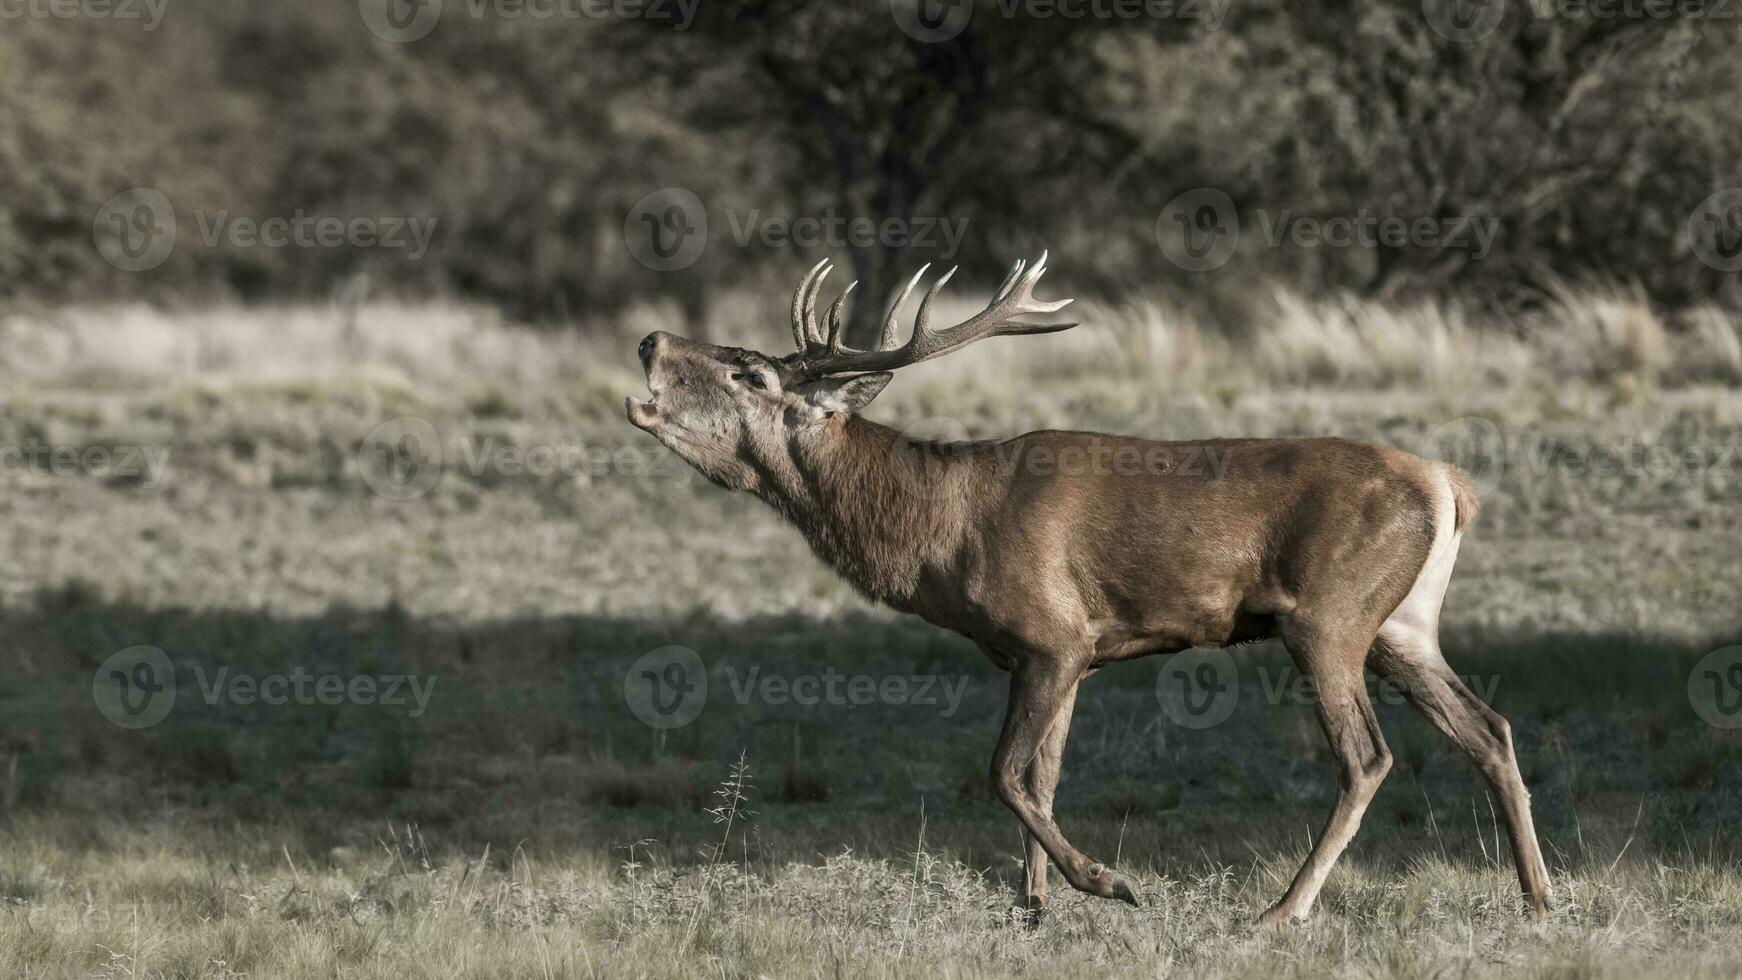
x=1362 y=760
x=1408 y=655
x=1042 y=781
x=1039 y=692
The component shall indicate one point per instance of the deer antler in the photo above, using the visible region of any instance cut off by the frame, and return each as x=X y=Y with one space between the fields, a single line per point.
x=821 y=355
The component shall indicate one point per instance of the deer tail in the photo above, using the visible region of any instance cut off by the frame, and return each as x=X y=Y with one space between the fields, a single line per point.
x=1463 y=498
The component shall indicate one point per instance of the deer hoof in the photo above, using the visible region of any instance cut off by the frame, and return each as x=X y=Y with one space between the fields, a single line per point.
x=1123 y=893
x=1033 y=913
x=1277 y=916
x=1103 y=882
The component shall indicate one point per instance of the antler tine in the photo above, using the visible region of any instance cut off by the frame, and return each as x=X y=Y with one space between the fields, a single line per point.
x=798 y=305
x=1010 y=278
x=836 y=330
x=920 y=343
x=813 y=331
x=1014 y=298
x=886 y=339
x=1021 y=299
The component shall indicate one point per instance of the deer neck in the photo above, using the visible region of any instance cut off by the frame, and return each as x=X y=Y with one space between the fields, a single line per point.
x=880 y=521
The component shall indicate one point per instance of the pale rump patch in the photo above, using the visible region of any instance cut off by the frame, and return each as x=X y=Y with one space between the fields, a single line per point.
x=1419 y=612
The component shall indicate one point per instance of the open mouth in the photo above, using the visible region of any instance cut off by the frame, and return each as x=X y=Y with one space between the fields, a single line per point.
x=643 y=413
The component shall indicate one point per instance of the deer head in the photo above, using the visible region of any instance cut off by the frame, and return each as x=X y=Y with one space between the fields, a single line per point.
x=737 y=415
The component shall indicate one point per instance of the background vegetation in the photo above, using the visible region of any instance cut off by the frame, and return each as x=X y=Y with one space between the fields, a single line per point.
x=1589 y=137
x=1587 y=370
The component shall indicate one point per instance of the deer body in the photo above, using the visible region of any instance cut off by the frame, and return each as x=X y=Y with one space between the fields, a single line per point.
x=1061 y=552
x=1107 y=537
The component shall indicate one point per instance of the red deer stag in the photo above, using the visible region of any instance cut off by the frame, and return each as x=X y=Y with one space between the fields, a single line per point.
x=1341 y=549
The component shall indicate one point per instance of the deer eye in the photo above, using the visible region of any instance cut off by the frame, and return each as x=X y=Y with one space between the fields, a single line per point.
x=754 y=379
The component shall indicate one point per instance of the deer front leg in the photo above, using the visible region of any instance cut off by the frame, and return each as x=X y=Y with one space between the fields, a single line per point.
x=1043 y=780
x=1039 y=691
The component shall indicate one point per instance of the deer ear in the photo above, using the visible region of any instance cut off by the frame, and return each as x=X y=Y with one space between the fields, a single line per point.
x=845 y=394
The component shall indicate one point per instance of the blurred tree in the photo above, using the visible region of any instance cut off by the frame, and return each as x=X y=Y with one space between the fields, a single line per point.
x=1554 y=126
x=1590 y=140
x=887 y=125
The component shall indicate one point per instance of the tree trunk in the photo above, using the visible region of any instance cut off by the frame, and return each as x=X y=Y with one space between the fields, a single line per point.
x=875 y=268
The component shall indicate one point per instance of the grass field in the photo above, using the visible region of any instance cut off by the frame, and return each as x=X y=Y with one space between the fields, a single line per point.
x=505 y=810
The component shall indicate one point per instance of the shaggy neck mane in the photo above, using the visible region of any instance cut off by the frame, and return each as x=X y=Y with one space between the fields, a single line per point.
x=856 y=491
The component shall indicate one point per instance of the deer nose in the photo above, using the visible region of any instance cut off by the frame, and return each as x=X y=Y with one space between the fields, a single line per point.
x=646 y=349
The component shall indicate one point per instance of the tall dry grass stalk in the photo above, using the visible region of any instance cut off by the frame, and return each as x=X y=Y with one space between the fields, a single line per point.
x=469 y=357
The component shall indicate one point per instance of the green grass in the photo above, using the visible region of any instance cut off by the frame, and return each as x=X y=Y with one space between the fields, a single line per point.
x=525 y=821
x=528 y=815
